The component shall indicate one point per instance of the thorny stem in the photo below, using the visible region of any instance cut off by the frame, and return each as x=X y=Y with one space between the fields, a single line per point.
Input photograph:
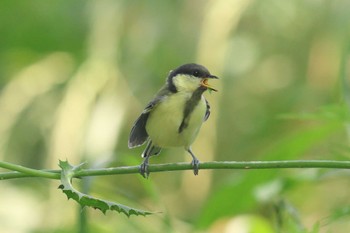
x=21 y=172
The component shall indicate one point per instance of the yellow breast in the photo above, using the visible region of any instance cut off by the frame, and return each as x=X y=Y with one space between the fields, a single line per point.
x=165 y=119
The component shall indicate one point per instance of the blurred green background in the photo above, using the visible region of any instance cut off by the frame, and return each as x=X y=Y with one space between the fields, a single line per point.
x=74 y=75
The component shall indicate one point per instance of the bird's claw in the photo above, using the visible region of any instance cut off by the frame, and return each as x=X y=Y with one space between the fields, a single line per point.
x=195 y=165
x=144 y=170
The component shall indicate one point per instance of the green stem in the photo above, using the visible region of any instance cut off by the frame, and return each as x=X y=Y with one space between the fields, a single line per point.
x=28 y=172
x=219 y=165
x=55 y=174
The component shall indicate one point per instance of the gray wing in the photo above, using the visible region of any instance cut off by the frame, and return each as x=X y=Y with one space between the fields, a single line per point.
x=207 y=112
x=138 y=134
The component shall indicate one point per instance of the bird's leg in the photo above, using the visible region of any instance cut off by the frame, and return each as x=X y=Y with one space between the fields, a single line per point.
x=195 y=162
x=144 y=167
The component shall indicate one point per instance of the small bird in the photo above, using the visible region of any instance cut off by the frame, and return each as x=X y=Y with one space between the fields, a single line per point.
x=173 y=118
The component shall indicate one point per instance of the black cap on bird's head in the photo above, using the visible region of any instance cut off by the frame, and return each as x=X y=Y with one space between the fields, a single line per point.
x=191 y=69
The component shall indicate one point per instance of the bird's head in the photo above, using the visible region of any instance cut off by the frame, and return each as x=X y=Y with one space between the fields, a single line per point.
x=190 y=77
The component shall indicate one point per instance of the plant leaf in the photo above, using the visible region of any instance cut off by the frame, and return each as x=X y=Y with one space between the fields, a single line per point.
x=83 y=199
x=291 y=146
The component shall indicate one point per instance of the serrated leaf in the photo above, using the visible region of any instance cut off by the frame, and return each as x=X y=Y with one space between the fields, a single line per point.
x=83 y=199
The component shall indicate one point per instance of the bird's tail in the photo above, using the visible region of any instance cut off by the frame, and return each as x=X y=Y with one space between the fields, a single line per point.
x=150 y=150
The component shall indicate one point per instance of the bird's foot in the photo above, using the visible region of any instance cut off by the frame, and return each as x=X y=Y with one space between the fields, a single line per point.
x=144 y=169
x=195 y=165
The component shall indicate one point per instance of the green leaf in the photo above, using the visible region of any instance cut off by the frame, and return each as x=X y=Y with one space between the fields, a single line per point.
x=238 y=195
x=338 y=213
x=336 y=112
x=316 y=228
x=83 y=199
x=288 y=218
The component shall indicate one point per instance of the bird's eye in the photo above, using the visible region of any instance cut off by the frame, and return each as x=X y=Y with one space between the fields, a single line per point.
x=196 y=73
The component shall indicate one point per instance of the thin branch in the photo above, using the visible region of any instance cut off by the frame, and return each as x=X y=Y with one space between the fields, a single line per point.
x=27 y=171
x=219 y=165
x=54 y=174
x=21 y=172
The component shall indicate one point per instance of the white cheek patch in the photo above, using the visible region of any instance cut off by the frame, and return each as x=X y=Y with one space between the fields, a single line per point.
x=186 y=82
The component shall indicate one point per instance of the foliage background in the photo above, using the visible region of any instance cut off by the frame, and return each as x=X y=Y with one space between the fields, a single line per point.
x=74 y=75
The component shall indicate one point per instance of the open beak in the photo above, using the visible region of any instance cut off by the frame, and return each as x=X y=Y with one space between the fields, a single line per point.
x=205 y=83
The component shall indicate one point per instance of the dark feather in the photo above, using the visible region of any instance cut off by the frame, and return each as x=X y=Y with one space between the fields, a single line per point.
x=150 y=150
x=189 y=106
x=138 y=135
x=207 y=113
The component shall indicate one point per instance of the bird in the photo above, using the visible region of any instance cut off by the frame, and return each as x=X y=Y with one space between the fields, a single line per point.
x=175 y=115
